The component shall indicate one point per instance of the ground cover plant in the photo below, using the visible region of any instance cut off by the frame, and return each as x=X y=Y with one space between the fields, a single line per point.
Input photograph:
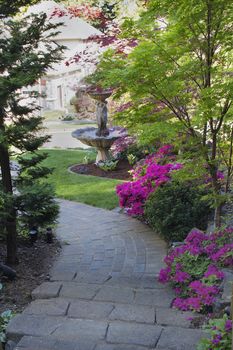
x=220 y=330
x=99 y=192
x=5 y=318
x=108 y=165
x=194 y=268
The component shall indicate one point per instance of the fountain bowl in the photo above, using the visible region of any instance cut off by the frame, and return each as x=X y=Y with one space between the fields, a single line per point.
x=101 y=143
x=100 y=95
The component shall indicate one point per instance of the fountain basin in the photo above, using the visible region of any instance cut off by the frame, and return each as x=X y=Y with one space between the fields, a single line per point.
x=101 y=143
x=100 y=95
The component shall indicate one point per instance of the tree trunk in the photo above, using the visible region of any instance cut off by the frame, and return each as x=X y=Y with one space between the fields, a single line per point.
x=217 y=216
x=229 y=167
x=215 y=182
x=10 y=224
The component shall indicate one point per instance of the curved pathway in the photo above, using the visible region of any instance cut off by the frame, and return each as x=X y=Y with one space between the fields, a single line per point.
x=103 y=293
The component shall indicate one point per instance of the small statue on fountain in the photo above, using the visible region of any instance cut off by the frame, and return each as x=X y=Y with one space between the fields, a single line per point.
x=102 y=117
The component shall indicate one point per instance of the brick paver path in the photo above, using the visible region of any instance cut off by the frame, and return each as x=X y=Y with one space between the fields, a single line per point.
x=103 y=293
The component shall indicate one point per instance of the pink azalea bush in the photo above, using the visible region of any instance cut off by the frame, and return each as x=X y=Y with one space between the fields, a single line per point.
x=193 y=268
x=154 y=171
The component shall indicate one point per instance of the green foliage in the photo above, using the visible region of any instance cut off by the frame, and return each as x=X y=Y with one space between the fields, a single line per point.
x=27 y=50
x=67 y=117
x=175 y=208
x=195 y=265
x=87 y=159
x=139 y=151
x=132 y=159
x=108 y=165
x=178 y=80
x=220 y=335
x=37 y=205
x=6 y=202
x=11 y=7
x=5 y=318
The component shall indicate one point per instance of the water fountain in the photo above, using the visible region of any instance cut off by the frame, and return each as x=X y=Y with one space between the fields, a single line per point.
x=101 y=138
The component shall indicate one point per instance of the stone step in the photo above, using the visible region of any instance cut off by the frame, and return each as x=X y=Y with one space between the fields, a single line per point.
x=107 y=311
x=92 y=310
x=108 y=293
x=61 y=327
x=80 y=330
x=169 y=338
x=49 y=343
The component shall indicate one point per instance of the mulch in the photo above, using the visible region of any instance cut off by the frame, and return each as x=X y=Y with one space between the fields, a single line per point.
x=33 y=269
x=120 y=173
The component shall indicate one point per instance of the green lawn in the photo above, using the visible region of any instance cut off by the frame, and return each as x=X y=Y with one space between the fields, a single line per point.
x=96 y=191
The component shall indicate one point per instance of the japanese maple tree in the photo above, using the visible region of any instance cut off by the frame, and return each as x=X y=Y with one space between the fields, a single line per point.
x=178 y=80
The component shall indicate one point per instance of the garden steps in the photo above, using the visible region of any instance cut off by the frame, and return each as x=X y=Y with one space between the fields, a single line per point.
x=103 y=293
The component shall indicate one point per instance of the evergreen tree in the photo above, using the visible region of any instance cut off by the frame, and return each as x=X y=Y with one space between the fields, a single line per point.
x=27 y=50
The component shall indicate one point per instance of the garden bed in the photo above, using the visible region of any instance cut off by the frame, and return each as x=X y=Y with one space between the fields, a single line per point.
x=33 y=268
x=121 y=172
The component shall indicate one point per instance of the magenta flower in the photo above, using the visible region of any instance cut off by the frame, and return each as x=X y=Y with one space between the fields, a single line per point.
x=224 y=255
x=217 y=338
x=180 y=304
x=214 y=271
x=196 y=293
x=181 y=277
x=146 y=178
x=164 y=275
x=228 y=325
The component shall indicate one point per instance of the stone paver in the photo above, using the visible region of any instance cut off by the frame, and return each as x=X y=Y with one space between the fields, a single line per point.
x=47 y=290
x=49 y=343
x=81 y=330
x=103 y=293
x=79 y=291
x=165 y=316
x=136 y=313
x=154 y=297
x=138 y=334
x=115 y=294
x=119 y=347
x=89 y=309
x=50 y=307
x=175 y=338
x=34 y=325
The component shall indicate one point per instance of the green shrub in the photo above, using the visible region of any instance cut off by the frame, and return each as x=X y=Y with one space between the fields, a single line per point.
x=175 y=208
x=139 y=151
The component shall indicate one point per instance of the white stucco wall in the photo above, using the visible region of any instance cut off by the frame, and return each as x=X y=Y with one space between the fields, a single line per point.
x=61 y=79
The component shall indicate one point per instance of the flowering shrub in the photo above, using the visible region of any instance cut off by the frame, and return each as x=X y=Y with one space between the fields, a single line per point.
x=120 y=146
x=148 y=175
x=193 y=268
x=220 y=335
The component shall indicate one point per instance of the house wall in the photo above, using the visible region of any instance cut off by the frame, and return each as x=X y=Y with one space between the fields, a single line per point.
x=59 y=90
